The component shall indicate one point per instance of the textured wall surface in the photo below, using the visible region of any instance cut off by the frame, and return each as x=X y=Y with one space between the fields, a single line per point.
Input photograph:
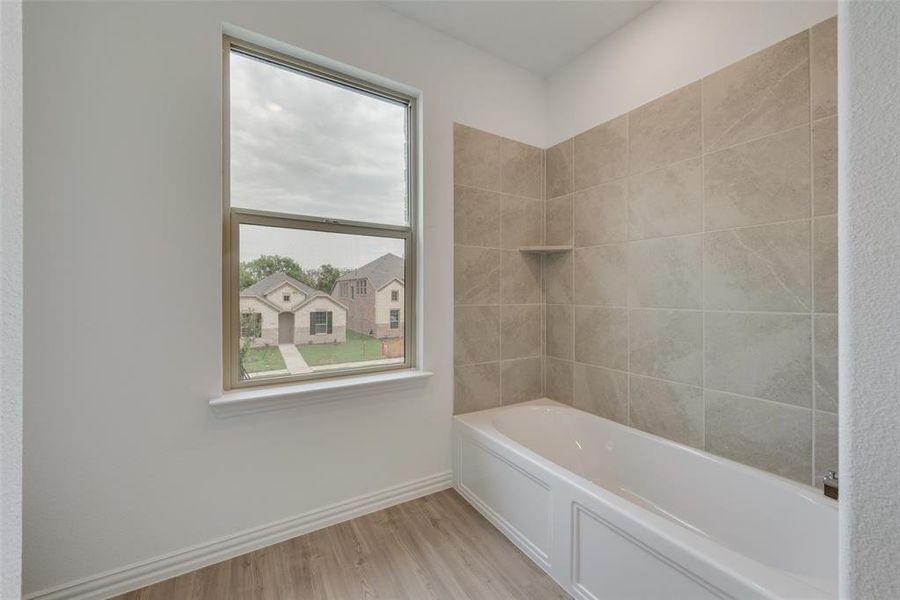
x=496 y=289
x=700 y=300
x=870 y=286
x=10 y=298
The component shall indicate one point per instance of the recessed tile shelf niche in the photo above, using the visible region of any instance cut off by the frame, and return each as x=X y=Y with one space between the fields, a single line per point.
x=544 y=249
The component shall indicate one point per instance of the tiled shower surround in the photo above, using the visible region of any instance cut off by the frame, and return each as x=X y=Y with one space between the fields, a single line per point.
x=498 y=207
x=700 y=300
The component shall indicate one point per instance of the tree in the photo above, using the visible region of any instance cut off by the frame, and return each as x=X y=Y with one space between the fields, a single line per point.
x=260 y=268
x=326 y=276
x=251 y=330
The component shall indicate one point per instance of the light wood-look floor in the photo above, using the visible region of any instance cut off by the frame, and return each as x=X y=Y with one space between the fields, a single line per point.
x=435 y=547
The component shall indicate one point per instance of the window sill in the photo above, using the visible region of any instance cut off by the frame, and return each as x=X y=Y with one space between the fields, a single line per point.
x=244 y=402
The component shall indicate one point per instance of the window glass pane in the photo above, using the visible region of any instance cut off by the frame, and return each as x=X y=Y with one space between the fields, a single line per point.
x=305 y=146
x=320 y=328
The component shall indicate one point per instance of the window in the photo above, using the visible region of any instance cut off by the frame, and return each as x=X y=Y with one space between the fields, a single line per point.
x=319 y=195
x=395 y=295
x=320 y=323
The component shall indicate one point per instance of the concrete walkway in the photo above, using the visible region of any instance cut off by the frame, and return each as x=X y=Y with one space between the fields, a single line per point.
x=353 y=365
x=293 y=360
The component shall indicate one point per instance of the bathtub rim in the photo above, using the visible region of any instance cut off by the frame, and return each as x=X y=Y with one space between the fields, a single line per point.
x=479 y=428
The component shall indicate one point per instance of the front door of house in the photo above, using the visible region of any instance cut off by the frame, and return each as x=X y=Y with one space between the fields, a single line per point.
x=286 y=328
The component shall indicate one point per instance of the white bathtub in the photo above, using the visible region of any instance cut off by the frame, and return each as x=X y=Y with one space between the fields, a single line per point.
x=613 y=513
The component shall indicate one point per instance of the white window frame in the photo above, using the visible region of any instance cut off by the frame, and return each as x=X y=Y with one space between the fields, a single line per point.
x=233 y=218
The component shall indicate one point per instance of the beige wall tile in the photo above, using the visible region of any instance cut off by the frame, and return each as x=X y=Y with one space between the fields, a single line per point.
x=826 y=445
x=758 y=268
x=665 y=272
x=520 y=222
x=667 y=344
x=600 y=391
x=667 y=201
x=665 y=131
x=764 y=181
x=559 y=330
x=557 y=278
x=670 y=410
x=761 y=355
x=520 y=277
x=476 y=275
x=476 y=334
x=601 y=153
x=823 y=74
x=558 y=379
x=730 y=231
x=601 y=336
x=558 y=221
x=560 y=169
x=601 y=275
x=759 y=95
x=826 y=361
x=520 y=380
x=770 y=436
x=825 y=267
x=601 y=214
x=520 y=331
x=476 y=387
x=476 y=217
x=824 y=165
x=521 y=169
x=476 y=158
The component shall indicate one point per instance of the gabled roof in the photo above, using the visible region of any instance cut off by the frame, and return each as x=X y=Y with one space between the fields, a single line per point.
x=380 y=271
x=275 y=280
x=340 y=305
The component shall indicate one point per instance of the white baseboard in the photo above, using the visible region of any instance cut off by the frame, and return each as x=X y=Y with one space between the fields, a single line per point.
x=163 y=567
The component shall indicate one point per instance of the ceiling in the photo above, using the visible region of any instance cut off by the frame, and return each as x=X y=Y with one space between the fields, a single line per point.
x=539 y=36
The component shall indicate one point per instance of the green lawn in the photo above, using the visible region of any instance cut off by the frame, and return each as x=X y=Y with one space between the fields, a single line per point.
x=358 y=347
x=263 y=359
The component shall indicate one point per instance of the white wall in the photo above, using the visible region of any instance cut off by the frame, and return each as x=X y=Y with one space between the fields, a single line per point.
x=663 y=49
x=123 y=459
x=869 y=271
x=10 y=298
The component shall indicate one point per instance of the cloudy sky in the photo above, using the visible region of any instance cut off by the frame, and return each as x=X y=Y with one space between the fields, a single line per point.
x=301 y=145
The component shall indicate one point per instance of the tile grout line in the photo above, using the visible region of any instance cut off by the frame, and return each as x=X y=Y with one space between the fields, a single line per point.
x=679 y=309
x=661 y=167
x=703 y=396
x=541 y=267
x=572 y=277
x=689 y=385
x=812 y=271
x=627 y=275
x=502 y=202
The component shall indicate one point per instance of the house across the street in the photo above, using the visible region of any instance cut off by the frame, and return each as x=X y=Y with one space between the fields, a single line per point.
x=283 y=310
x=374 y=293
